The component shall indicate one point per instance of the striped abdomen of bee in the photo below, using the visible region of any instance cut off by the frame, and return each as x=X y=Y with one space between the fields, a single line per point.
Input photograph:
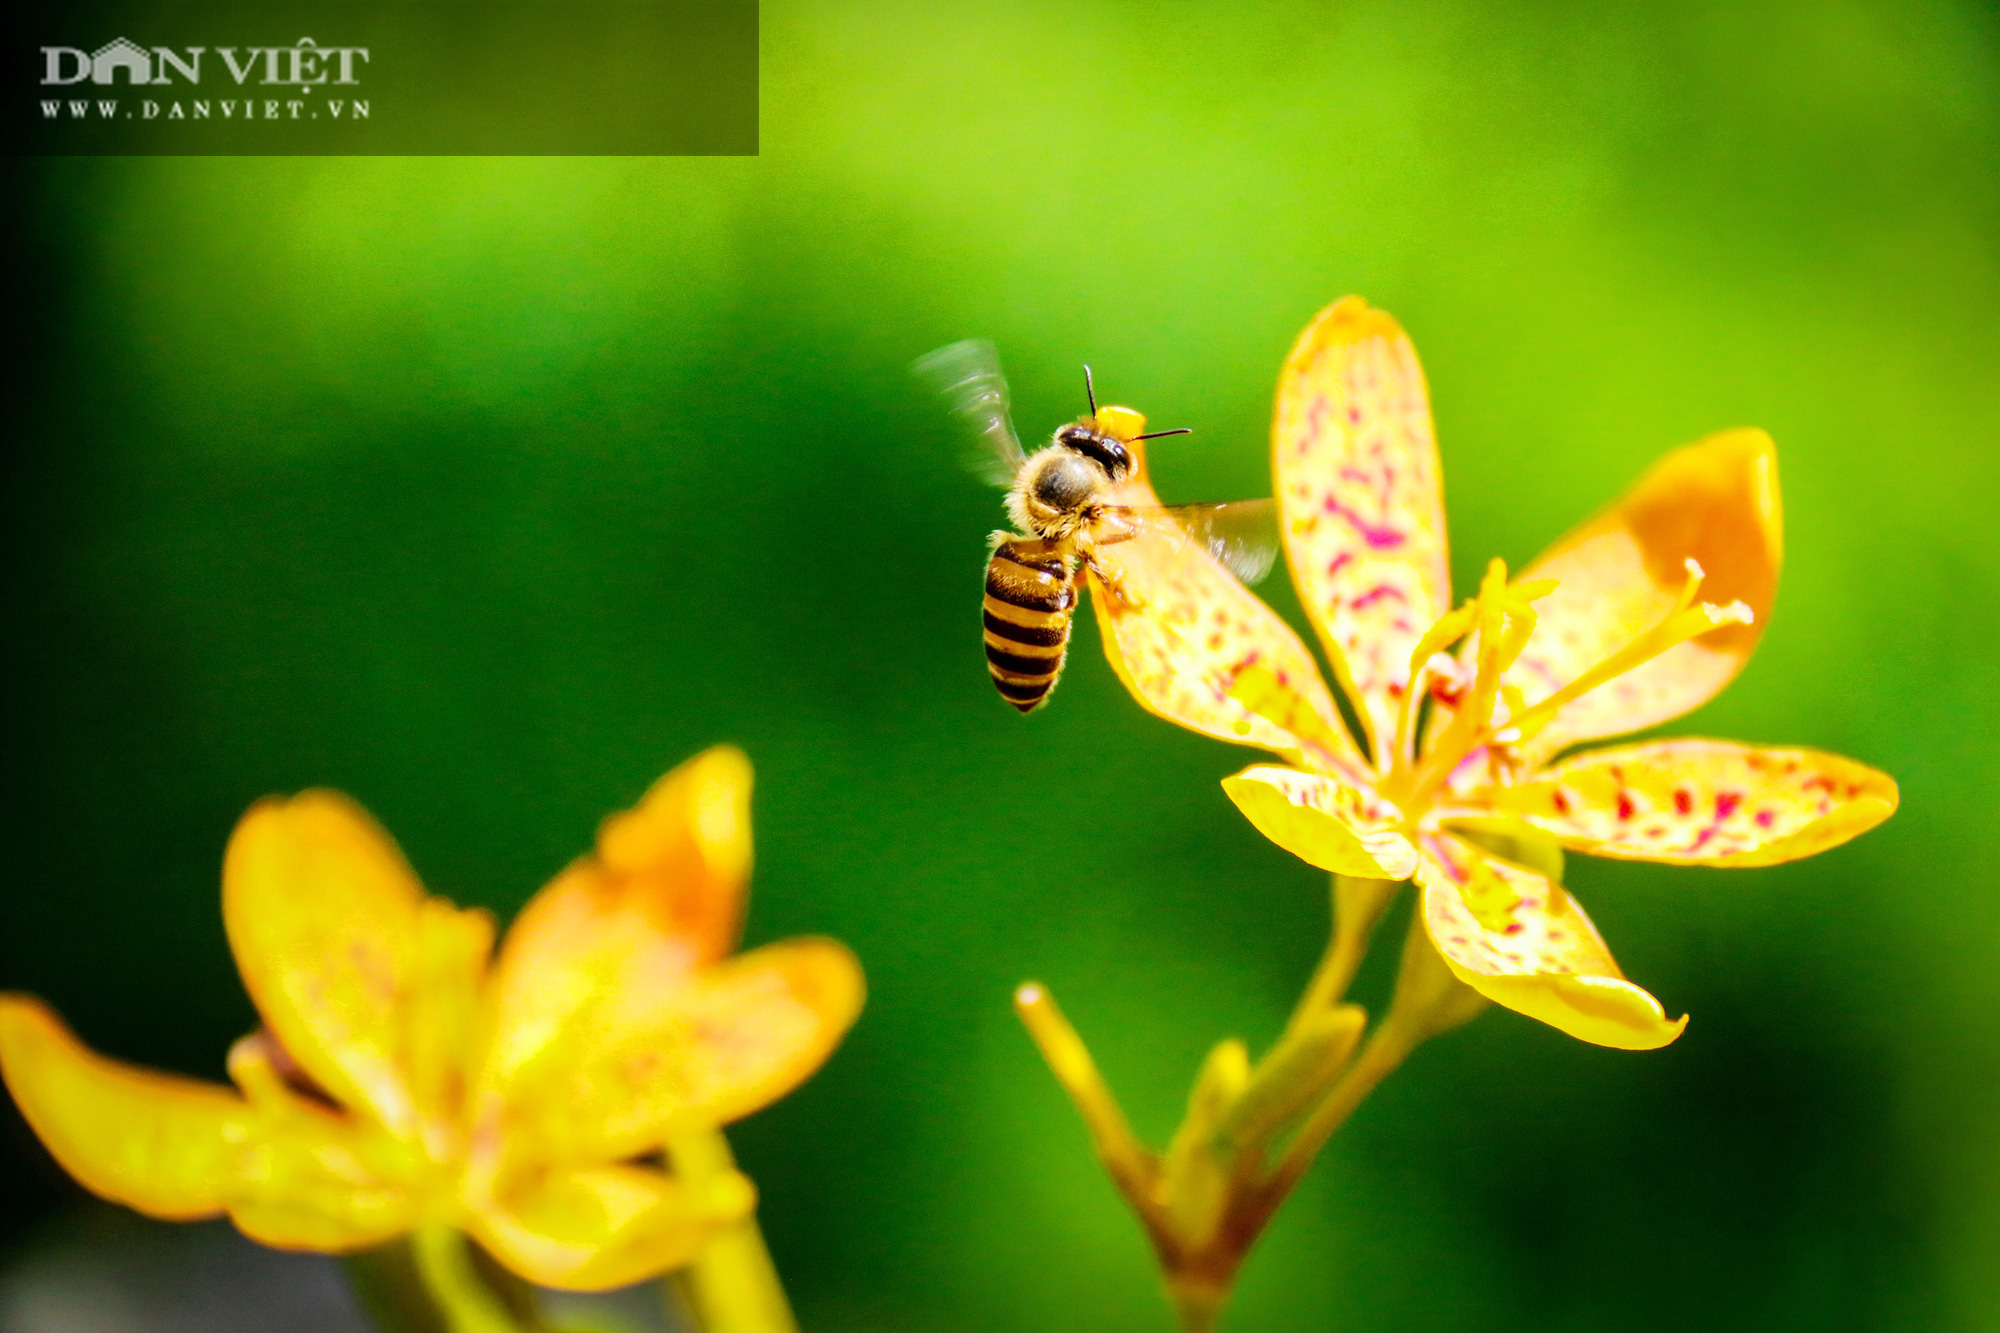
x=1030 y=590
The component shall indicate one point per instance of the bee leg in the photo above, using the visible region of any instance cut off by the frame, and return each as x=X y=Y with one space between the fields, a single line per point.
x=1112 y=584
x=1111 y=523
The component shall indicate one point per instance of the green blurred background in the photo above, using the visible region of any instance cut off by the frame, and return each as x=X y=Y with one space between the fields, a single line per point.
x=486 y=490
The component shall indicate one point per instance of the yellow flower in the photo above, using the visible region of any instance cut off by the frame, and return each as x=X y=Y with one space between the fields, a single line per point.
x=402 y=1082
x=1636 y=617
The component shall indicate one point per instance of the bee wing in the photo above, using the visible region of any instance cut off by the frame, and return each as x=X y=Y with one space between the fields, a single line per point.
x=1242 y=534
x=968 y=375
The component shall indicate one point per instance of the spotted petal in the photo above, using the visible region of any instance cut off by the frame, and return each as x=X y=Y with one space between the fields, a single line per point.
x=1361 y=501
x=369 y=985
x=1196 y=647
x=1715 y=502
x=1322 y=822
x=1524 y=942
x=1701 y=802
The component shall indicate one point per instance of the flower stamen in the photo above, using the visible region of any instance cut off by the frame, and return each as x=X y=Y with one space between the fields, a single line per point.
x=1428 y=664
x=1506 y=624
x=1502 y=619
x=1684 y=622
x=1506 y=620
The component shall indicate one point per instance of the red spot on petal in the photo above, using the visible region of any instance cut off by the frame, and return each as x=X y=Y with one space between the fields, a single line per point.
x=1766 y=818
x=1683 y=801
x=1726 y=803
x=1376 y=594
x=1625 y=807
x=1559 y=801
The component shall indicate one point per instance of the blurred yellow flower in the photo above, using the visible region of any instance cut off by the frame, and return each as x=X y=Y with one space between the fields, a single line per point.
x=1638 y=616
x=401 y=1082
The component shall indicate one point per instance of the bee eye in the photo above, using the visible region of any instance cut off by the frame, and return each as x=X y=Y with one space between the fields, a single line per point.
x=1104 y=450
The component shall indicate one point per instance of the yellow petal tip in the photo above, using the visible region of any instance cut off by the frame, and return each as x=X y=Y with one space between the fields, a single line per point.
x=827 y=978
x=1604 y=1011
x=705 y=800
x=1121 y=422
x=719 y=782
x=1351 y=318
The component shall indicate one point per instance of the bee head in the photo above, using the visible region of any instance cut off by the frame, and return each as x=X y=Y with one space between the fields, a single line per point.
x=1100 y=446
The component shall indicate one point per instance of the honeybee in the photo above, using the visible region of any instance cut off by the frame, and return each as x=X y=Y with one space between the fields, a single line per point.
x=1059 y=499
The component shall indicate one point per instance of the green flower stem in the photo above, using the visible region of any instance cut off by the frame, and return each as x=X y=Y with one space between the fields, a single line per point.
x=1199 y=1278
x=1197 y=1305
x=445 y=1265
x=386 y=1283
x=1132 y=1167
x=1357 y=905
x=1206 y=1203
x=732 y=1286
x=1385 y=1050
x=1428 y=1000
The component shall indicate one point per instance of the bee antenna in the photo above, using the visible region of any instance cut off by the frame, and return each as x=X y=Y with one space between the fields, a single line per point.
x=1154 y=435
x=1090 y=391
